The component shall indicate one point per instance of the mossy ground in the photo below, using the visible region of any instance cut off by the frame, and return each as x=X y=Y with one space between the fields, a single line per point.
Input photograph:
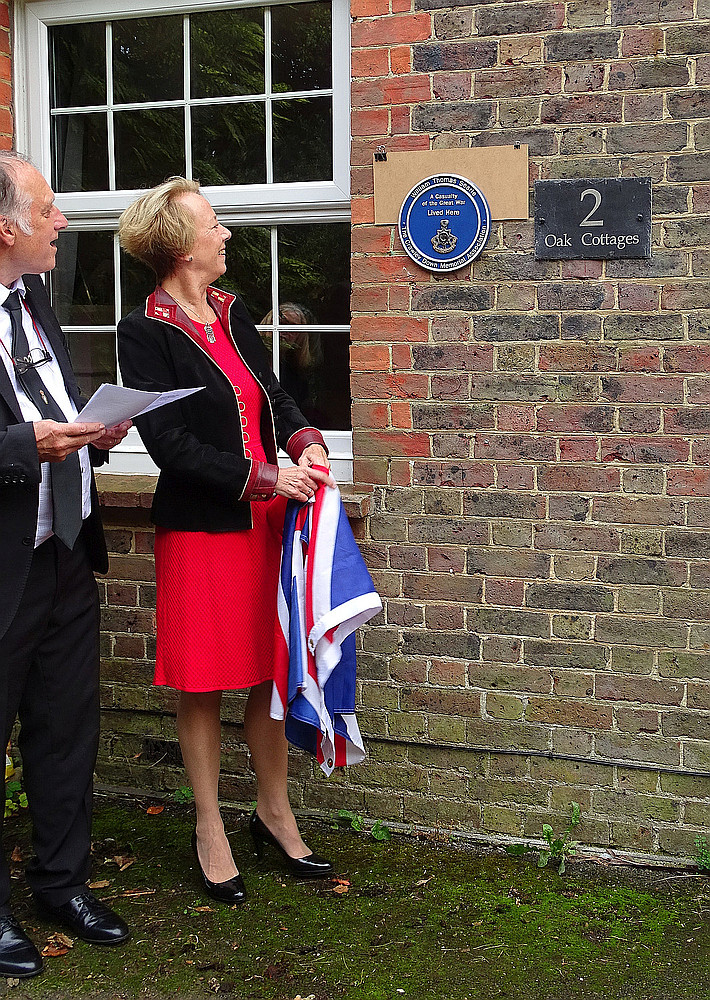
x=419 y=920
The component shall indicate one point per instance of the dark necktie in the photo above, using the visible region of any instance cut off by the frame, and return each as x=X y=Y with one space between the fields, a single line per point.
x=66 y=475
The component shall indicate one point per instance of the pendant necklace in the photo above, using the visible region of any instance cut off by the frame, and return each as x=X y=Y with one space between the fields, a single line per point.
x=209 y=332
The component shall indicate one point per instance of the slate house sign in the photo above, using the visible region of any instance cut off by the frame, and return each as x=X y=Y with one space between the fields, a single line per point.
x=593 y=219
x=444 y=222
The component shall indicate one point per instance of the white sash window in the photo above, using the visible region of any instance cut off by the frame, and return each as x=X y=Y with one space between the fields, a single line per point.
x=251 y=99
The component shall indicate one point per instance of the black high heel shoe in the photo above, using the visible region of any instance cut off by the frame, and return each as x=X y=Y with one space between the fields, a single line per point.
x=312 y=866
x=232 y=891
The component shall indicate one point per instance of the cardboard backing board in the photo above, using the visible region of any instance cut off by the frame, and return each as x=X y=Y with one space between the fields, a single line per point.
x=501 y=172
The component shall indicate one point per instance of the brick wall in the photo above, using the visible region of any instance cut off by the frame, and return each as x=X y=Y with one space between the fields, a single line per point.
x=6 y=130
x=536 y=432
x=536 y=436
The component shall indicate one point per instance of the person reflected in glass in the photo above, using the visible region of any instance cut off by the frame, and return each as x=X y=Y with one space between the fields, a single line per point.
x=300 y=356
x=218 y=508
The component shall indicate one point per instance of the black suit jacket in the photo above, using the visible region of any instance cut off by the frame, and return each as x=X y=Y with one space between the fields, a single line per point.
x=20 y=470
x=207 y=478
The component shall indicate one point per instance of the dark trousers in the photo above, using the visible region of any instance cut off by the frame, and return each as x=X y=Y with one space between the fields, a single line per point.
x=49 y=676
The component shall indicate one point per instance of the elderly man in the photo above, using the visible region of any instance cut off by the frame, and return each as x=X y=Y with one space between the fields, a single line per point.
x=50 y=541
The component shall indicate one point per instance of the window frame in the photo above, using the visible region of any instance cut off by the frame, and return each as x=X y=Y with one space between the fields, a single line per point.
x=252 y=204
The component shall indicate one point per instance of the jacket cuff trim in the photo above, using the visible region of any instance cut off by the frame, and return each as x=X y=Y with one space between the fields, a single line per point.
x=261 y=482
x=298 y=442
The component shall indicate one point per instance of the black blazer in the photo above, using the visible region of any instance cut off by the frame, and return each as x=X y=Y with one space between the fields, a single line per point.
x=207 y=480
x=20 y=470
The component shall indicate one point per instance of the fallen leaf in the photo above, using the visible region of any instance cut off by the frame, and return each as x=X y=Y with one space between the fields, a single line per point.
x=154 y=810
x=341 y=881
x=57 y=944
x=123 y=862
x=201 y=909
x=13 y=982
x=63 y=939
x=138 y=892
x=17 y=855
x=340 y=888
x=100 y=885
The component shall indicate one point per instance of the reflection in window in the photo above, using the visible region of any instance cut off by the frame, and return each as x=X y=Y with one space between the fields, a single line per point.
x=147 y=60
x=228 y=144
x=80 y=153
x=78 y=62
x=314 y=369
x=301 y=47
x=314 y=270
x=303 y=130
x=93 y=358
x=150 y=146
x=82 y=283
x=227 y=53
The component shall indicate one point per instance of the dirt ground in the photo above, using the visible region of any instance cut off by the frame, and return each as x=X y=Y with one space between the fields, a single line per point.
x=405 y=918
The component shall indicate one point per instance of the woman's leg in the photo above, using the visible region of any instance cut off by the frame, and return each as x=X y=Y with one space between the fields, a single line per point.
x=199 y=732
x=269 y=752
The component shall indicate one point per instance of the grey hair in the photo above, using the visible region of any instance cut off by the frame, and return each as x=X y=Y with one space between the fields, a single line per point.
x=15 y=202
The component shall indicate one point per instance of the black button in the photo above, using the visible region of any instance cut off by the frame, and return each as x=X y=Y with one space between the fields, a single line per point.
x=28 y=541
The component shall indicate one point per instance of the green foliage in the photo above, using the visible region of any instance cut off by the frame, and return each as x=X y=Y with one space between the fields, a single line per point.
x=184 y=794
x=345 y=818
x=15 y=798
x=702 y=853
x=516 y=850
x=559 y=848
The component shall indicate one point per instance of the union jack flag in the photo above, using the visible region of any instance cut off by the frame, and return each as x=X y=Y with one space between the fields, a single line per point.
x=325 y=593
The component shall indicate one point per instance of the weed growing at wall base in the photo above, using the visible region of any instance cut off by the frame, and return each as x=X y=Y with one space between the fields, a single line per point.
x=559 y=848
x=702 y=854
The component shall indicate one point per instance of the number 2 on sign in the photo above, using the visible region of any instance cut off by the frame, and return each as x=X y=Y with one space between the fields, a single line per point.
x=588 y=220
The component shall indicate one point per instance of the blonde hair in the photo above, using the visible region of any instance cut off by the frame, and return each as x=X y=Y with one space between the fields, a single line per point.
x=157 y=229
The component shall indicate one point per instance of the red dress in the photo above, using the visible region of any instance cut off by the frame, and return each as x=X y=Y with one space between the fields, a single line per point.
x=216 y=591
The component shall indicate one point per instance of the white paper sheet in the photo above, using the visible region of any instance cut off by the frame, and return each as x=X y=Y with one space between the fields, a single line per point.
x=112 y=404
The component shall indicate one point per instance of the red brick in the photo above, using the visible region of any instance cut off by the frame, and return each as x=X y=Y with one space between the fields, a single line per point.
x=401 y=415
x=401 y=59
x=369 y=357
x=371 y=121
x=642 y=389
x=643 y=359
x=362 y=210
x=390 y=328
x=401 y=120
x=5 y=15
x=513 y=417
x=570 y=418
x=579 y=479
x=701 y=453
x=645 y=451
x=403 y=28
x=374 y=269
x=369 y=8
x=387 y=385
x=582 y=269
x=507 y=593
x=688 y=358
x=371 y=239
x=689 y=482
x=642 y=42
x=369 y=300
x=451 y=86
x=515 y=477
x=578 y=449
x=638 y=298
x=401 y=357
x=399 y=298
x=701 y=198
x=369 y=62
x=370 y=414
x=400 y=473
x=514 y=447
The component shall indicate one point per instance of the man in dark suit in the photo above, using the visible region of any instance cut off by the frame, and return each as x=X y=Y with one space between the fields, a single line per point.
x=51 y=540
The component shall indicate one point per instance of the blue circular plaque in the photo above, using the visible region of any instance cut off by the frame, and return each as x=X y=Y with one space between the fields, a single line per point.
x=444 y=222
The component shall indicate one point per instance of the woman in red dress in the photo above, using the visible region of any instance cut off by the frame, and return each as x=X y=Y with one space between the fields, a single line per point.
x=218 y=509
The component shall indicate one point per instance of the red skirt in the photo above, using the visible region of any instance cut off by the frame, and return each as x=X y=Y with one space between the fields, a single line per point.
x=216 y=603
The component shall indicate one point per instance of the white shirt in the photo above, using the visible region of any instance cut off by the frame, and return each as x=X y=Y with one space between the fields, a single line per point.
x=51 y=375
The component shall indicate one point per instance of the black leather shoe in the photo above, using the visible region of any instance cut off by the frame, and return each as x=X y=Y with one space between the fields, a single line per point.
x=312 y=866
x=89 y=918
x=232 y=891
x=19 y=959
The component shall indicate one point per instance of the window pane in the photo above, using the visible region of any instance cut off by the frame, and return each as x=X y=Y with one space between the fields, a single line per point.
x=301 y=46
x=249 y=269
x=82 y=282
x=314 y=270
x=137 y=282
x=93 y=358
x=147 y=60
x=227 y=53
x=78 y=63
x=303 y=144
x=228 y=144
x=314 y=369
x=80 y=152
x=150 y=146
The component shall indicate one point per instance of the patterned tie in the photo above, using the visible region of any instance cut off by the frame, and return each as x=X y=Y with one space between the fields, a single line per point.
x=65 y=475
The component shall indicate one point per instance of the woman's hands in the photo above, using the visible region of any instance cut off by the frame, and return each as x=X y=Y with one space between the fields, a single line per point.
x=299 y=482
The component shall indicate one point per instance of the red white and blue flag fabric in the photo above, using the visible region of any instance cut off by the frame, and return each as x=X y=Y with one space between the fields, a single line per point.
x=325 y=593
